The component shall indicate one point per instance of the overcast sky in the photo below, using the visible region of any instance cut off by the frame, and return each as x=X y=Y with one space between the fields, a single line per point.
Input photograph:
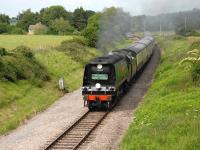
x=135 y=7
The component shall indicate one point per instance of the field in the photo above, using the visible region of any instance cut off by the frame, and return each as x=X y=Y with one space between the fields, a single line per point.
x=169 y=116
x=33 y=41
x=23 y=99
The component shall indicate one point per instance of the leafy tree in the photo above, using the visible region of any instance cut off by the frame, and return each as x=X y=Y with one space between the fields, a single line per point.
x=106 y=28
x=92 y=30
x=4 y=19
x=61 y=26
x=51 y=13
x=79 y=18
x=12 y=29
x=89 y=13
x=27 y=18
x=4 y=23
x=3 y=28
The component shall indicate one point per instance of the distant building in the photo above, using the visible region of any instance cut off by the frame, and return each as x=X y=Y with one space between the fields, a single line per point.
x=33 y=28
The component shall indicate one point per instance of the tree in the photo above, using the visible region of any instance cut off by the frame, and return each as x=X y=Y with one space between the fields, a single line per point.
x=51 y=13
x=3 y=28
x=61 y=26
x=91 y=32
x=4 y=19
x=89 y=13
x=27 y=18
x=79 y=18
x=4 y=23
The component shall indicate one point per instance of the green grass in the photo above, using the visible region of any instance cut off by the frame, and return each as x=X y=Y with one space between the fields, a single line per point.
x=169 y=116
x=32 y=41
x=22 y=99
x=60 y=65
x=25 y=100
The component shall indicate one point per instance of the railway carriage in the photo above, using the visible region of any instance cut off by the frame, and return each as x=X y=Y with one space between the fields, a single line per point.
x=107 y=77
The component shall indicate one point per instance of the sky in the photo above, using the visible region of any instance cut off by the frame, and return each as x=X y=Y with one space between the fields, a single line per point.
x=134 y=7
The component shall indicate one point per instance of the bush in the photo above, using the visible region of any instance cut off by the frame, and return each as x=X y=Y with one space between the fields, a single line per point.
x=24 y=50
x=3 y=28
x=15 y=30
x=76 y=33
x=194 y=33
x=195 y=45
x=73 y=49
x=20 y=65
x=79 y=40
x=76 y=49
x=196 y=73
x=3 y=51
x=179 y=37
x=193 y=63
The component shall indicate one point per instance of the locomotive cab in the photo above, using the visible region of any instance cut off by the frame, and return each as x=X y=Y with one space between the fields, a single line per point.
x=102 y=79
x=98 y=84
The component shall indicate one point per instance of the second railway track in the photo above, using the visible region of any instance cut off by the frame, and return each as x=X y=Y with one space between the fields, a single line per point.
x=74 y=136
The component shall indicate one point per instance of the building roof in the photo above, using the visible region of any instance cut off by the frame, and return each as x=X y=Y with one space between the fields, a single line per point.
x=37 y=26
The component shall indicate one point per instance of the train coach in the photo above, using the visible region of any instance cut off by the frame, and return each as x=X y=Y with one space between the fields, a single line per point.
x=106 y=78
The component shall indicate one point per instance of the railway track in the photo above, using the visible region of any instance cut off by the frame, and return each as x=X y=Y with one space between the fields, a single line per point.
x=74 y=136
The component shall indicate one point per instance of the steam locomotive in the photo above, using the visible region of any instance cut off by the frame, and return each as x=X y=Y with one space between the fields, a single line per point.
x=106 y=78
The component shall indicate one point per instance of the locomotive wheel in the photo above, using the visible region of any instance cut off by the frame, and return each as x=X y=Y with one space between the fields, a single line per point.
x=125 y=88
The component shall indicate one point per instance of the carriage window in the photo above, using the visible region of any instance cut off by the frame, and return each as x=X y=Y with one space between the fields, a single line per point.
x=99 y=77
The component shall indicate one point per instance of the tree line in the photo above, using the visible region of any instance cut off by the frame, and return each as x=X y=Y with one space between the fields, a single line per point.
x=183 y=23
x=55 y=18
x=101 y=29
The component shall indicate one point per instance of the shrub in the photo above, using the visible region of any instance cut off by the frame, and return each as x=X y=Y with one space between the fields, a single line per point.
x=3 y=51
x=79 y=40
x=15 y=30
x=3 y=28
x=20 y=65
x=195 y=45
x=24 y=50
x=196 y=73
x=179 y=37
x=73 y=49
x=76 y=49
x=193 y=63
x=76 y=33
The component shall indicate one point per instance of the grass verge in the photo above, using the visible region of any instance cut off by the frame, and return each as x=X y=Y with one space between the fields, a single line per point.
x=169 y=116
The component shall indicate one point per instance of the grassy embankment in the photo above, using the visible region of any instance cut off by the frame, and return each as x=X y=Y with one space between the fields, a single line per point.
x=169 y=116
x=28 y=94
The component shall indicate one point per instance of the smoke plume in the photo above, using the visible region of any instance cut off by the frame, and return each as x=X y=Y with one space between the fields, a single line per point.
x=114 y=23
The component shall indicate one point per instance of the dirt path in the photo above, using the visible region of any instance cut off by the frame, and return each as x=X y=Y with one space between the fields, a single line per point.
x=42 y=128
x=109 y=134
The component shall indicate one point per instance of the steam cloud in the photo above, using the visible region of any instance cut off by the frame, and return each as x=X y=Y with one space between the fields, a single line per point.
x=113 y=26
